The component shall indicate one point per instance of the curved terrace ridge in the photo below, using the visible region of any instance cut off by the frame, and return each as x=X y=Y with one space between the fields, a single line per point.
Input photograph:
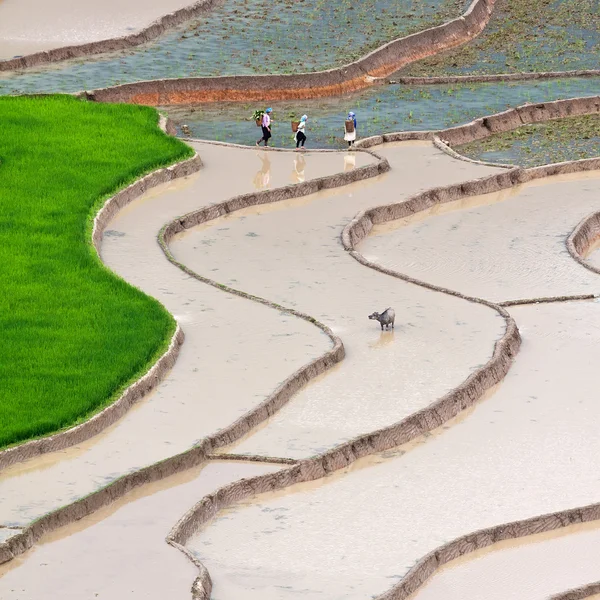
x=342 y=456
x=360 y=447
x=151 y=32
x=208 y=507
x=579 y=593
x=156 y=373
x=357 y=75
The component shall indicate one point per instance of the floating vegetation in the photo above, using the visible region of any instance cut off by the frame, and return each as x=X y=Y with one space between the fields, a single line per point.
x=572 y=138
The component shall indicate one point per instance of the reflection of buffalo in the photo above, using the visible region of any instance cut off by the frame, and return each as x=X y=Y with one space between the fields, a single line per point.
x=386 y=318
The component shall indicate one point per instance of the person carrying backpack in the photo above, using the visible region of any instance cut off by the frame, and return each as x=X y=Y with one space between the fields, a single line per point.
x=266 y=127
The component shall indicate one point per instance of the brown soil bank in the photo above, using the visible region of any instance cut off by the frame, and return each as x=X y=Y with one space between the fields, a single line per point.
x=355 y=76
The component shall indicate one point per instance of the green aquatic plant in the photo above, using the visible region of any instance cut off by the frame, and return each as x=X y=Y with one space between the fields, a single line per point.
x=571 y=138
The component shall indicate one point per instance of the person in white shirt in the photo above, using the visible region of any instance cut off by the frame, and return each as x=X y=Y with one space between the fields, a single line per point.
x=301 y=133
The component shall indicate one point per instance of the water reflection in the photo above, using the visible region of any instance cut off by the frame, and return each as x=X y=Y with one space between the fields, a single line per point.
x=263 y=175
x=349 y=162
x=385 y=338
x=299 y=166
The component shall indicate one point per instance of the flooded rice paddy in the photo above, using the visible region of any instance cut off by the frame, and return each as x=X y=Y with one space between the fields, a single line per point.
x=380 y=109
x=120 y=551
x=28 y=26
x=243 y=37
x=531 y=568
x=527 y=450
x=508 y=245
x=213 y=383
x=539 y=35
x=293 y=255
x=572 y=138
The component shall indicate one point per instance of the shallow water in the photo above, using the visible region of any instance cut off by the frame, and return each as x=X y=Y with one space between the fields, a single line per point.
x=561 y=35
x=120 y=551
x=528 y=450
x=379 y=109
x=531 y=568
x=503 y=246
x=276 y=36
x=28 y=26
x=293 y=256
x=236 y=352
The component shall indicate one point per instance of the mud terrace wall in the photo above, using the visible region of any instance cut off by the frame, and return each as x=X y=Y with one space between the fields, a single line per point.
x=584 y=236
x=147 y=382
x=354 y=76
x=154 y=30
x=425 y=420
x=427 y=566
x=521 y=115
x=446 y=79
x=395 y=435
x=579 y=593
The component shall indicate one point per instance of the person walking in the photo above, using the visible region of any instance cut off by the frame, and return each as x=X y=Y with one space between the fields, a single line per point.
x=266 y=127
x=350 y=128
x=350 y=136
x=301 y=133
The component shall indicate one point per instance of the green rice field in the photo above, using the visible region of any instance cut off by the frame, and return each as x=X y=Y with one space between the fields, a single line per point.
x=74 y=334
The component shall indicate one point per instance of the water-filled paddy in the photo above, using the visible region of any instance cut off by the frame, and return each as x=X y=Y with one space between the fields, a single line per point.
x=538 y=35
x=120 y=551
x=28 y=26
x=235 y=353
x=293 y=255
x=528 y=449
x=380 y=109
x=572 y=138
x=530 y=568
x=507 y=245
x=248 y=37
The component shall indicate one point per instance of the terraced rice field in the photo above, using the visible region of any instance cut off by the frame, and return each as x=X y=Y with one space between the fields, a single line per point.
x=295 y=447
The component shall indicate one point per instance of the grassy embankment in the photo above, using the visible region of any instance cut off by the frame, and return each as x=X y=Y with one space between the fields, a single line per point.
x=572 y=138
x=73 y=334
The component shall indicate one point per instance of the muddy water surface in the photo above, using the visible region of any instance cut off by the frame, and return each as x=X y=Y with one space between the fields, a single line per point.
x=293 y=255
x=529 y=449
x=531 y=568
x=235 y=353
x=28 y=26
x=120 y=551
x=503 y=246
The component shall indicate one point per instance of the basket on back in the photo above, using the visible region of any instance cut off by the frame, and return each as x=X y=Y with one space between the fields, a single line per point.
x=349 y=124
x=295 y=126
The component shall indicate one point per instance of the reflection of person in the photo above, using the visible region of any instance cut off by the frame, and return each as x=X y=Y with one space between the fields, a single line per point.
x=263 y=175
x=299 y=166
x=301 y=133
x=350 y=136
x=266 y=127
x=349 y=162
